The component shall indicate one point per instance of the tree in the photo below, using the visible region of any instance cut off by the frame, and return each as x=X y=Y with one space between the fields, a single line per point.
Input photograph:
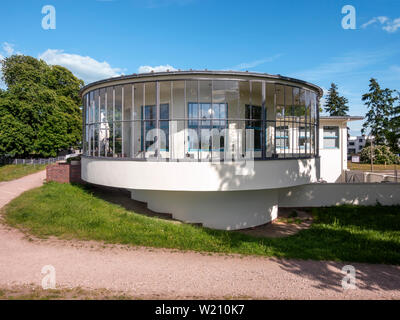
x=380 y=110
x=39 y=111
x=381 y=155
x=335 y=104
x=393 y=135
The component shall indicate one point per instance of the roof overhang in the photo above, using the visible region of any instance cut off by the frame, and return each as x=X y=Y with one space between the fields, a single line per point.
x=341 y=118
x=155 y=76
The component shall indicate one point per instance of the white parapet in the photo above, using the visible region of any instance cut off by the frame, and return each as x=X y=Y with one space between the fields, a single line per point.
x=199 y=176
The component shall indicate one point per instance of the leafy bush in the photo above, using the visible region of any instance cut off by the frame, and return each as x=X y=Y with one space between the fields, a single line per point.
x=381 y=155
x=77 y=158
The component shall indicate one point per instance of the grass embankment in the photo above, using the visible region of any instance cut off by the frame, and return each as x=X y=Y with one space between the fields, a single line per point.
x=347 y=233
x=10 y=172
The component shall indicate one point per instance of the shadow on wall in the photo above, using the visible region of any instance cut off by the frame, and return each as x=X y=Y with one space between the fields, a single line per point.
x=278 y=173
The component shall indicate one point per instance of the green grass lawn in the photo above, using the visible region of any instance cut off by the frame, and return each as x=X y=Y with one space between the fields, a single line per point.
x=14 y=171
x=347 y=233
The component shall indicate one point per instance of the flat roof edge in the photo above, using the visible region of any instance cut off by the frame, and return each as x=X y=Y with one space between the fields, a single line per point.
x=348 y=118
x=201 y=72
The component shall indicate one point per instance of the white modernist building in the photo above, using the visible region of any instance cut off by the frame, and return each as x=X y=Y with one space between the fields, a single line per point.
x=355 y=144
x=224 y=149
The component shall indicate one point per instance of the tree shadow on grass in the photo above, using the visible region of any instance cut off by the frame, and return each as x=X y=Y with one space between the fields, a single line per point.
x=376 y=218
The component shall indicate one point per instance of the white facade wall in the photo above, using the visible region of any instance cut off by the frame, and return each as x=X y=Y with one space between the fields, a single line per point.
x=333 y=161
x=359 y=144
x=199 y=176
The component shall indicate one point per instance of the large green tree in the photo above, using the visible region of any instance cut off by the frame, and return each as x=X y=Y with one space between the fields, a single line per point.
x=335 y=104
x=393 y=136
x=39 y=111
x=380 y=103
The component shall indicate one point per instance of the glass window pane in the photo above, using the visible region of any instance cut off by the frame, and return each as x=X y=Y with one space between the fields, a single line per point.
x=127 y=102
x=103 y=115
x=256 y=97
x=296 y=102
x=280 y=101
x=165 y=99
x=331 y=137
x=150 y=96
x=137 y=132
x=118 y=139
x=110 y=103
x=118 y=103
x=244 y=87
x=178 y=100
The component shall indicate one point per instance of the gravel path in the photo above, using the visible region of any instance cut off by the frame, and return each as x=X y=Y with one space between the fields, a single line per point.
x=159 y=273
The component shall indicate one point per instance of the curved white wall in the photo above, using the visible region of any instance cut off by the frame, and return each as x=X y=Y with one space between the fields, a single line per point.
x=230 y=210
x=198 y=176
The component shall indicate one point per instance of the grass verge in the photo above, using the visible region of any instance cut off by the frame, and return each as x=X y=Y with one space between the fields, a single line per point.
x=10 y=172
x=346 y=233
x=37 y=293
x=367 y=167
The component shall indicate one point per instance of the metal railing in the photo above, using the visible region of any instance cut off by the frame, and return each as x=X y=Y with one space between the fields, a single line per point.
x=36 y=161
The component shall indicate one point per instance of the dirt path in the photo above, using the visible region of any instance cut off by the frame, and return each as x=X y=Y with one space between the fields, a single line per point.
x=158 y=273
x=12 y=189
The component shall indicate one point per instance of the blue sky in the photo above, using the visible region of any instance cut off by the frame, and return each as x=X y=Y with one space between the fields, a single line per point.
x=304 y=39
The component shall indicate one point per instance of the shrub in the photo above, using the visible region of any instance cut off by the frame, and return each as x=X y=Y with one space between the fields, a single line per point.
x=381 y=155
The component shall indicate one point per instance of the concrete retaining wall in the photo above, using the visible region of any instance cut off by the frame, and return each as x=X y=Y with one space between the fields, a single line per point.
x=331 y=194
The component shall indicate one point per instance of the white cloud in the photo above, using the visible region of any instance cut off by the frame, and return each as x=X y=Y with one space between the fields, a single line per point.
x=256 y=63
x=83 y=67
x=393 y=26
x=8 y=48
x=388 y=24
x=372 y=21
x=147 y=69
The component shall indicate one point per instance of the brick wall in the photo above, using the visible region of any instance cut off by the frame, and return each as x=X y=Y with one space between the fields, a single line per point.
x=64 y=173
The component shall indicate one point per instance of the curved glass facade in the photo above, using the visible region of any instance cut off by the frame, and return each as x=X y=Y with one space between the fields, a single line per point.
x=201 y=120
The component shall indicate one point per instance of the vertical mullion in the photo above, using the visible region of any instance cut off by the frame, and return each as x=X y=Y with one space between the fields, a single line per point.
x=113 y=115
x=98 y=120
x=263 y=126
x=170 y=125
x=250 y=117
x=284 y=122
x=186 y=121
x=122 y=122
x=133 y=123
x=144 y=121
x=305 y=122
x=275 y=121
x=198 y=122
x=211 y=121
x=106 y=118
x=158 y=118
x=293 y=123
x=317 y=129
